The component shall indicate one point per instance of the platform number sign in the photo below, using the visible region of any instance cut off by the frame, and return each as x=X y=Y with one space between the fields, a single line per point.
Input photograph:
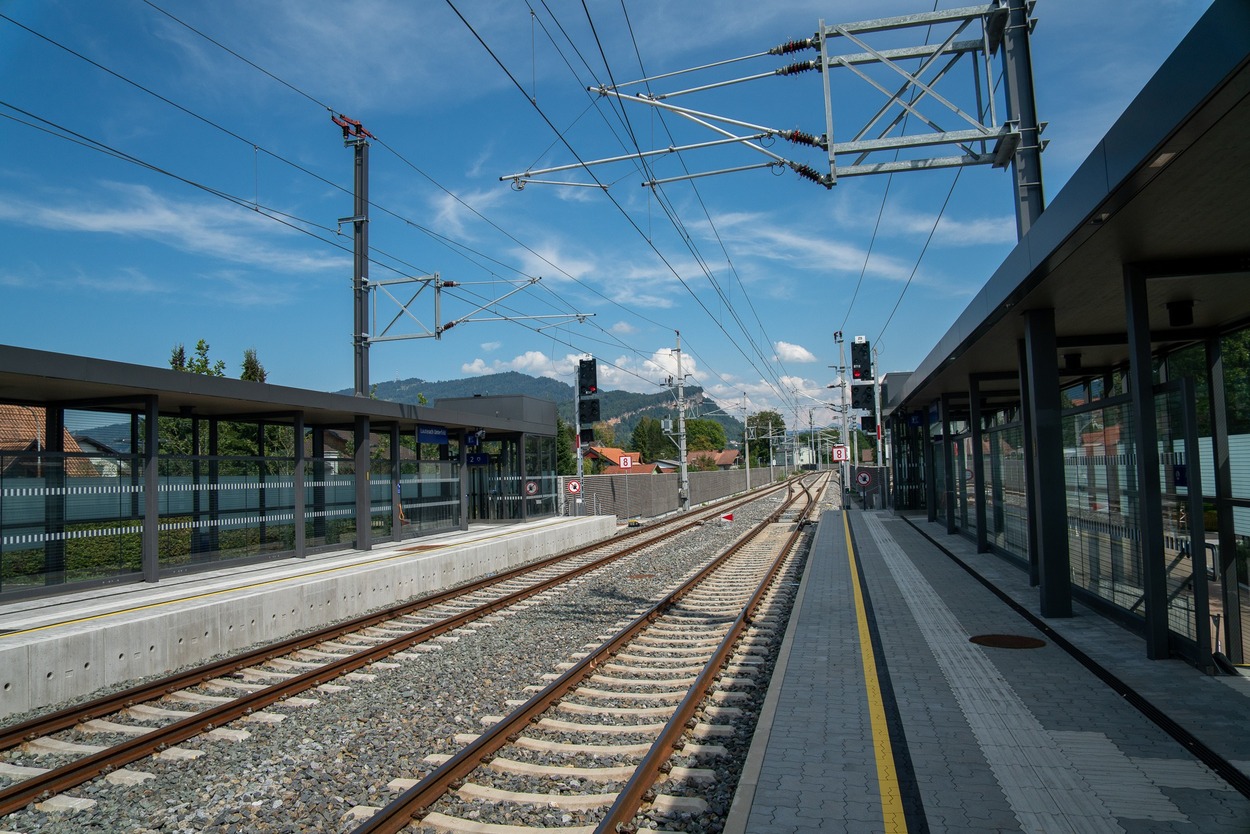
x=574 y=487
x=626 y=461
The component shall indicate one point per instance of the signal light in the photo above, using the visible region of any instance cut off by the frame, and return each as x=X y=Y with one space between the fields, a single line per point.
x=587 y=382
x=861 y=361
x=588 y=412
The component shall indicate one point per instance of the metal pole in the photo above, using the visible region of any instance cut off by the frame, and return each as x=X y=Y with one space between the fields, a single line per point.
x=746 y=437
x=846 y=431
x=683 y=487
x=577 y=440
x=360 y=260
x=1022 y=109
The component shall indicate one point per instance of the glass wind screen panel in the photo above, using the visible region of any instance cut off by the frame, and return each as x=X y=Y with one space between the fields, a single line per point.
x=1006 y=514
x=1174 y=480
x=1100 y=490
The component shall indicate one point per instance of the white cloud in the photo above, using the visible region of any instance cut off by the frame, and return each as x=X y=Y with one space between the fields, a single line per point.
x=490 y=347
x=787 y=352
x=202 y=228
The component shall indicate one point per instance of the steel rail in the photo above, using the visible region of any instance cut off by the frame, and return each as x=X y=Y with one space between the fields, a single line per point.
x=448 y=776
x=641 y=786
x=70 y=717
x=66 y=777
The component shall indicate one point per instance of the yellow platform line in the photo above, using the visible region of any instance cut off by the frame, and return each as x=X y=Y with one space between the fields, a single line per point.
x=887 y=777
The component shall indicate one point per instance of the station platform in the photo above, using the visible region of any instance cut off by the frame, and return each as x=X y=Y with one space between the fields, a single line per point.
x=58 y=648
x=883 y=715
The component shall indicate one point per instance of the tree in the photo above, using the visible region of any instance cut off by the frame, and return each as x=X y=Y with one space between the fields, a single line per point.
x=766 y=429
x=605 y=434
x=566 y=459
x=253 y=371
x=704 y=435
x=649 y=441
x=198 y=364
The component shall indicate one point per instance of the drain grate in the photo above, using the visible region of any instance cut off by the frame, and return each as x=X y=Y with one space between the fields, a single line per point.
x=1007 y=641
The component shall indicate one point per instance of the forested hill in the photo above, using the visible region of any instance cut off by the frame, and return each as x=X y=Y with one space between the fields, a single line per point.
x=621 y=409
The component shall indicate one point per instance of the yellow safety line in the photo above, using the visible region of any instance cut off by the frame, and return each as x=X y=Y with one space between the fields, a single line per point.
x=887 y=778
x=410 y=550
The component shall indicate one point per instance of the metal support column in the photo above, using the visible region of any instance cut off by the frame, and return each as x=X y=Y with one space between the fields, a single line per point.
x=53 y=463
x=930 y=468
x=1030 y=495
x=464 y=481
x=1149 y=504
x=1045 y=446
x=1022 y=108
x=364 y=509
x=360 y=260
x=151 y=491
x=978 y=463
x=397 y=510
x=297 y=487
x=948 y=465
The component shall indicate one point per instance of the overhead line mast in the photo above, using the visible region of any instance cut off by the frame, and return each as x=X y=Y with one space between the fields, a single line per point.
x=976 y=32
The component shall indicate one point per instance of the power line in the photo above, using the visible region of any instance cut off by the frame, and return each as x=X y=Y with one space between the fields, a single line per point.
x=920 y=257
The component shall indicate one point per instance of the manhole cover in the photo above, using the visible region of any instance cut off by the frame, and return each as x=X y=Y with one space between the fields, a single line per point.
x=1007 y=641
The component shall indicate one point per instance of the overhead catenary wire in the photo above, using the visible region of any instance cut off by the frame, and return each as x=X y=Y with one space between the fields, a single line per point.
x=639 y=159
x=456 y=246
x=667 y=263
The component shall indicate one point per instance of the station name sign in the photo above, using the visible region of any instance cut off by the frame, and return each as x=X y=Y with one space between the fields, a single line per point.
x=432 y=434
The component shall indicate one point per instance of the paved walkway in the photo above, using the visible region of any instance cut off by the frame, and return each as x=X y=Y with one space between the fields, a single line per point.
x=980 y=739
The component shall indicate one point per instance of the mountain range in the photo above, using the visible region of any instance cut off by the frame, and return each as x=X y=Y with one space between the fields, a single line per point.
x=620 y=409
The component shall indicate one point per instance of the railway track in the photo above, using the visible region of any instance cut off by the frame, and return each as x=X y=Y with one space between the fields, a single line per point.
x=595 y=748
x=225 y=697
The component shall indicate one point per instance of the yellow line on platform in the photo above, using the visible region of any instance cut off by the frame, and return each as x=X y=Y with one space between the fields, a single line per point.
x=887 y=777
x=401 y=553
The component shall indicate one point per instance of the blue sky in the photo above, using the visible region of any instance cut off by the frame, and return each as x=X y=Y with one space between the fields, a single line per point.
x=107 y=258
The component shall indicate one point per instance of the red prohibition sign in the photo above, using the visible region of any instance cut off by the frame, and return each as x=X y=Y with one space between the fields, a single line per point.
x=574 y=487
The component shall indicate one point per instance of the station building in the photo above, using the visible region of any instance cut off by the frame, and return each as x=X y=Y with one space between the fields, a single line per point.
x=114 y=473
x=1088 y=415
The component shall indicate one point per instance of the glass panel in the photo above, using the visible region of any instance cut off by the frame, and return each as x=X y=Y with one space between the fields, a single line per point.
x=968 y=480
x=72 y=514
x=329 y=501
x=1100 y=484
x=1006 y=514
x=429 y=495
x=1174 y=468
x=541 y=483
x=1241 y=524
x=62 y=520
x=215 y=508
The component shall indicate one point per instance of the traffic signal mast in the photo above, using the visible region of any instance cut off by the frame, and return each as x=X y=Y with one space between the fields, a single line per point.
x=587 y=409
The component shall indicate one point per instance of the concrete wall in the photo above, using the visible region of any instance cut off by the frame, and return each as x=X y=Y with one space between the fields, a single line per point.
x=156 y=631
x=646 y=496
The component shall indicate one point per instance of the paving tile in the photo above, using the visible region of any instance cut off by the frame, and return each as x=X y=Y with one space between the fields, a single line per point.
x=997 y=739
